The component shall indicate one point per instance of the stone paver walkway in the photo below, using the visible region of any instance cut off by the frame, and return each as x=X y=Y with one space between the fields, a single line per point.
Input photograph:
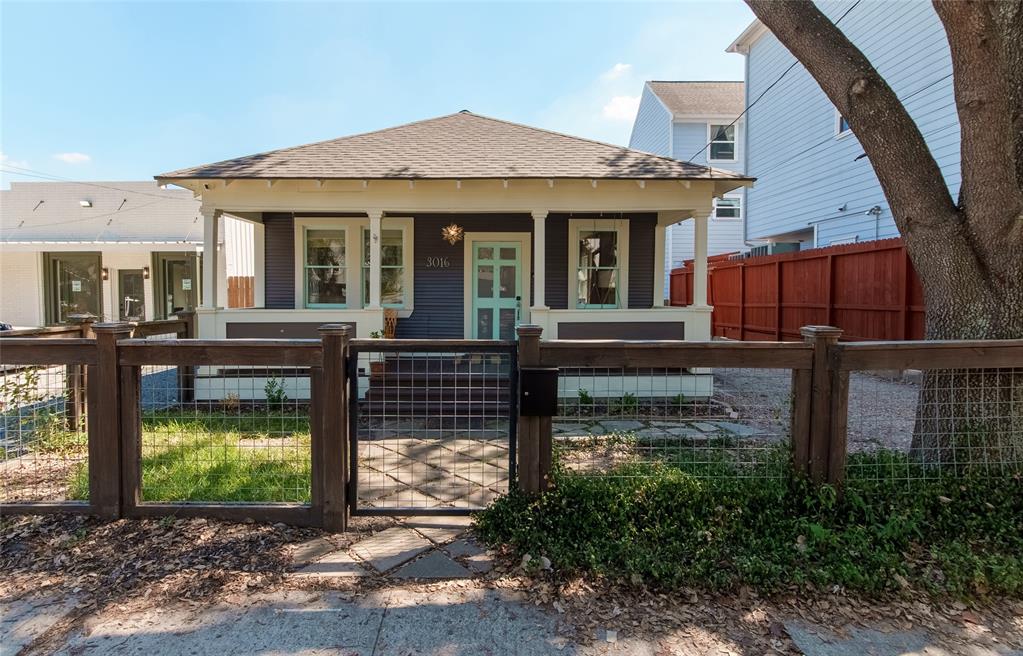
x=416 y=548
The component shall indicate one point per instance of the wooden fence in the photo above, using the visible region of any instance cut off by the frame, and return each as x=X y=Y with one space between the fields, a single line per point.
x=869 y=290
x=241 y=291
x=819 y=367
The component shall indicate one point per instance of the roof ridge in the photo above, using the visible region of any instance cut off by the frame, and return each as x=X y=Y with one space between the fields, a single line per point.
x=695 y=81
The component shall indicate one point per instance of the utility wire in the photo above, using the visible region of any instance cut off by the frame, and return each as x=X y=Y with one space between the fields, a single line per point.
x=33 y=173
x=769 y=87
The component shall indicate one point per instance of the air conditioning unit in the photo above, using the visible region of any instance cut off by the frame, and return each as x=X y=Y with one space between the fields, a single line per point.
x=774 y=249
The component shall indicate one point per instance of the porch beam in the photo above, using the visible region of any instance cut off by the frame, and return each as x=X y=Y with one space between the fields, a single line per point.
x=210 y=256
x=539 y=259
x=375 y=219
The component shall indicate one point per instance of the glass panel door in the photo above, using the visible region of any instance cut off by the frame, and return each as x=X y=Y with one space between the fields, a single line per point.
x=497 y=299
x=73 y=285
x=176 y=286
x=131 y=294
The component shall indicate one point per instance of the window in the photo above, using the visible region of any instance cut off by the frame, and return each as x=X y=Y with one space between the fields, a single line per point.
x=722 y=143
x=598 y=269
x=392 y=268
x=72 y=286
x=728 y=208
x=325 y=273
x=841 y=124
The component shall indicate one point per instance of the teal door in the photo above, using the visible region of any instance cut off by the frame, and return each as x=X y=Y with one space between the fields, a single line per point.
x=496 y=297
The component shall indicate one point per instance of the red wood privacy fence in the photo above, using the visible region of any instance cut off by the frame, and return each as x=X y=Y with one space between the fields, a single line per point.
x=869 y=290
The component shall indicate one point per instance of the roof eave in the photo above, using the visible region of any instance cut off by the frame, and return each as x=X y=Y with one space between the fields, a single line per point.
x=742 y=43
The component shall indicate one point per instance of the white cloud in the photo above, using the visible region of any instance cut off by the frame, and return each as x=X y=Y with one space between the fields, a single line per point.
x=73 y=158
x=621 y=108
x=17 y=163
x=617 y=71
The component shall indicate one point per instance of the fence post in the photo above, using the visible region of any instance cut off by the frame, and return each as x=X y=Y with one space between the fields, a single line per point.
x=533 y=442
x=75 y=374
x=839 y=417
x=104 y=419
x=330 y=427
x=186 y=373
x=818 y=450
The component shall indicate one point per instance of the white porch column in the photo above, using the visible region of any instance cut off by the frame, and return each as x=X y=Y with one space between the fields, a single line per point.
x=539 y=260
x=375 y=217
x=700 y=261
x=659 y=270
x=210 y=257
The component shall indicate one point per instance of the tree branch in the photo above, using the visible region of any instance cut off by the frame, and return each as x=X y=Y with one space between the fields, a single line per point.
x=905 y=167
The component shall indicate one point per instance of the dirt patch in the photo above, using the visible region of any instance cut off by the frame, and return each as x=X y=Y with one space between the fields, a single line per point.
x=39 y=476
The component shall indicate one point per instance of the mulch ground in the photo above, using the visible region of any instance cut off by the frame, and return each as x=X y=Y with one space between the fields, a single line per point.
x=127 y=565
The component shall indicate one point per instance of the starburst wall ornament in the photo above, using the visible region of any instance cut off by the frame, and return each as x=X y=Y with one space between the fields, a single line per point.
x=452 y=233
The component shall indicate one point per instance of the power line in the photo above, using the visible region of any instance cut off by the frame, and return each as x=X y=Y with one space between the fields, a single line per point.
x=42 y=175
x=769 y=87
x=84 y=219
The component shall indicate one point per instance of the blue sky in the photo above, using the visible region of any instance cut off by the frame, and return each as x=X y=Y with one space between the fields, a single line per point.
x=110 y=91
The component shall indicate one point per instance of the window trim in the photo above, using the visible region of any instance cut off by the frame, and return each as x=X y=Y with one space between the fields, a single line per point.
x=621 y=226
x=738 y=198
x=839 y=132
x=353 y=226
x=405 y=224
x=711 y=142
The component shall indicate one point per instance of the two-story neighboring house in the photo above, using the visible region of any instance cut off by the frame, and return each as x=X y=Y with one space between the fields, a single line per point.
x=814 y=184
x=696 y=121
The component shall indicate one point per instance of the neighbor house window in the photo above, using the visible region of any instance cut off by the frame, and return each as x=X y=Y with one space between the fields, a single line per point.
x=392 y=268
x=598 y=274
x=73 y=286
x=728 y=208
x=722 y=143
x=325 y=273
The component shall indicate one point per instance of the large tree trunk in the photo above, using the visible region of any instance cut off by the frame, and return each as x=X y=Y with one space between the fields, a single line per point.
x=968 y=254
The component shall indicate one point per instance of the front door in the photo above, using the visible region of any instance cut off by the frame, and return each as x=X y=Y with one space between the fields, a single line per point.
x=496 y=297
x=131 y=294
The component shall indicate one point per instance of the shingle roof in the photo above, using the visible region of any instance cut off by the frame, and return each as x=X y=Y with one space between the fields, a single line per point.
x=700 y=98
x=457 y=146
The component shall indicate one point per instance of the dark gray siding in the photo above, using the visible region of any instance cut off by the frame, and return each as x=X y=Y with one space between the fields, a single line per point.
x=622 y=330
x=641 y=260
x=279 y=248
x=278 y=330
x=556 y=289
x=439 y=291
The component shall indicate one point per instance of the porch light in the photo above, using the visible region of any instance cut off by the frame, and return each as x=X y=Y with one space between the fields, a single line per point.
x=145 y=273
x=452 y=233
x=85 y=203
x=106 y=273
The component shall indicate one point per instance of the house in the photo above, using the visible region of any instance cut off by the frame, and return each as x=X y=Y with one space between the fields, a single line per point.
x=700 y=122
x=116 y=250
x=814 y=186
x=465 y=226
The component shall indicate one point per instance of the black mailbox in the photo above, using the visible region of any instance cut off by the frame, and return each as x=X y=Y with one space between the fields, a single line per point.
x=538 y=391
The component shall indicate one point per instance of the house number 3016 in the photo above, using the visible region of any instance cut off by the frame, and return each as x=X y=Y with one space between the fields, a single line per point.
x=438 y=262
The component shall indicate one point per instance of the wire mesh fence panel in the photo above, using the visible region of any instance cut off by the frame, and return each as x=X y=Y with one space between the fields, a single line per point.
x=226 y=434
x=935 y=423
x=432 y=429
x=707 y=422
x=43 y=439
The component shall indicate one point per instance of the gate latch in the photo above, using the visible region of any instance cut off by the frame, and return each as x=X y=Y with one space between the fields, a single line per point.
x=538 y=391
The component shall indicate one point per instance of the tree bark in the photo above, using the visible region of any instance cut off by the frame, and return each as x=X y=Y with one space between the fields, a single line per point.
x=968 y=253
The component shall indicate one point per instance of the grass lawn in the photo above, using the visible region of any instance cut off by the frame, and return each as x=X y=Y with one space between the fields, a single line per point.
x=221 y=456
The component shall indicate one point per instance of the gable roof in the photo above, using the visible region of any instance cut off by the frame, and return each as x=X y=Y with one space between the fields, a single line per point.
x=456 y=146
x=683 y=98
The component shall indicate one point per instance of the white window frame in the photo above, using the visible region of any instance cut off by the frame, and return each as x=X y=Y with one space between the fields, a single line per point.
x=839 y=132
x=621 y=226
x=405 y=224
x=737 y=198
x=711 y=142
x=302 y=226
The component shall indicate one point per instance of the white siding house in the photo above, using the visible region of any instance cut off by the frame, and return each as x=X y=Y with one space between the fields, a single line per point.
x=118 y=250
x=692 y=121
x=814 y=184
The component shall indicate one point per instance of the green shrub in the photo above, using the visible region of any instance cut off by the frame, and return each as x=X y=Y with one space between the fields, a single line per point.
x=672 y=528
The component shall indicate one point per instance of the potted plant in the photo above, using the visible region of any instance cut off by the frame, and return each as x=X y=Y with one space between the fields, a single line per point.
x=376 y=363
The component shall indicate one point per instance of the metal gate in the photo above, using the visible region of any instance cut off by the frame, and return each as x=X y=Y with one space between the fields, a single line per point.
x=431 y=425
